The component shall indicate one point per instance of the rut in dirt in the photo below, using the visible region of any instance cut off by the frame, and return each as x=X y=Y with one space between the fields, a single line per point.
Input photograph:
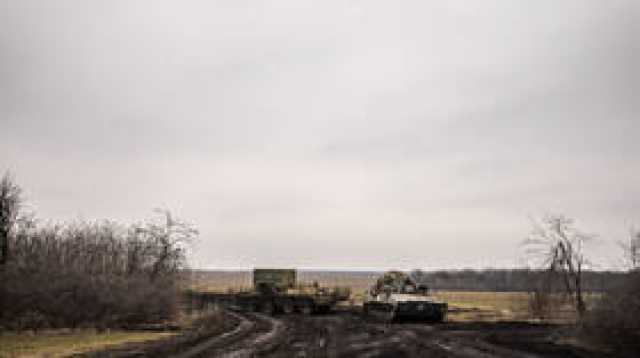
x=255 y=334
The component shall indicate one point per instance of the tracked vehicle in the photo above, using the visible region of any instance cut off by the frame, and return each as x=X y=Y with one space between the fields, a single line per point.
x=277 y=291
x=397 y=297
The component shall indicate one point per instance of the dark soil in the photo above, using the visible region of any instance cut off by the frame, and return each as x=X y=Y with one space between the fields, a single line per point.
x=350 y=334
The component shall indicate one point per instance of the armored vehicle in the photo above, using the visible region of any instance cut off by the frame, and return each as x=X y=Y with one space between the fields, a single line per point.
x=277 y=291
x=397 y=297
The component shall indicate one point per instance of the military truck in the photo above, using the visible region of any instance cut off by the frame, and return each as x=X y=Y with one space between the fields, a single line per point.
x=397 y=297
x=277 y=291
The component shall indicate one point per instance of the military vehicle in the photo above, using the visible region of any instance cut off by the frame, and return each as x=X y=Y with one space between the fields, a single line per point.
x=277 y=291
x=397 y=297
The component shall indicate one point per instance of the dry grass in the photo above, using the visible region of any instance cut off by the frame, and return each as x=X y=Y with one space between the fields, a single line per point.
x=485 y=306
x=63 y=343
x=504 y=306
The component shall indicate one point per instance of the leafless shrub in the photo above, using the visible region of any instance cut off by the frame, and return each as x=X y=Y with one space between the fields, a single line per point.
x=9 y=208
x=614 y=320
x=631 y=249
x=545 y=294
x=540 y=304
x=560 y=245
x=99 y=274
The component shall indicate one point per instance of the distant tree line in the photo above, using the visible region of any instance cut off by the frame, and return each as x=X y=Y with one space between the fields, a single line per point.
x=80 y=273
x=505 y=280
x=495 y=280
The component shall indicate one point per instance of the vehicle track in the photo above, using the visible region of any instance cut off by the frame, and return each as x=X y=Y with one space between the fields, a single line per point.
x=267 y=336
x=345 y=334
x=255 y=333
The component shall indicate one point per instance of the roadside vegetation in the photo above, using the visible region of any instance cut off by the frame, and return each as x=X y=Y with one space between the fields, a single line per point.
x=85 y=276
x=615 y=319
x=611 y=318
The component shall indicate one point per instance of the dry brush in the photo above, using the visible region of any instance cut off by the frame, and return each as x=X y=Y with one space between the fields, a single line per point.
x=91 y=274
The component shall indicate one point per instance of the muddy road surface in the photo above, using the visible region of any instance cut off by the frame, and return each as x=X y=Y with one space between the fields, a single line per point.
x=349 y=334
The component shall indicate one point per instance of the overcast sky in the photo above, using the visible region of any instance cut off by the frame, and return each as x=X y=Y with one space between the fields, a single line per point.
x=329 y=133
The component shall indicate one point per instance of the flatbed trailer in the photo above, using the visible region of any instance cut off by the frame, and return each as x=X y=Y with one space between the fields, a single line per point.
x=270 y=304
x=275 y=291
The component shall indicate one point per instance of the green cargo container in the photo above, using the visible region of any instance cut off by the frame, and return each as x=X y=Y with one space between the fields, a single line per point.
x=273 y=280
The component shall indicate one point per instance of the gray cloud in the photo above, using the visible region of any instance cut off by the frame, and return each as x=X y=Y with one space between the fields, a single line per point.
x=328 y=133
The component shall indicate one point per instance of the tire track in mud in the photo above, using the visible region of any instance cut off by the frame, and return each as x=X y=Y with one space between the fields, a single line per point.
x=349 y=335
x=243 y=328
x=392 y=341
x=255 y=333
x=420 y=340
x=266 y=337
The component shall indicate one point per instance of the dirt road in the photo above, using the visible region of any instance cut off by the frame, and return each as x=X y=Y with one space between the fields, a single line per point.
x=349 y=334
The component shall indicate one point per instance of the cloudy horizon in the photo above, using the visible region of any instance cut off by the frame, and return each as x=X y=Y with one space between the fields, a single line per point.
x=329 y=134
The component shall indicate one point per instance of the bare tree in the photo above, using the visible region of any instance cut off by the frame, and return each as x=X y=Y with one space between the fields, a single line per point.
x=561 y=247
x=631 y=249
x=169 y=237
x=9 y=207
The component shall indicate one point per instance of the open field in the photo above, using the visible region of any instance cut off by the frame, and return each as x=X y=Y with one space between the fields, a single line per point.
x=473 y=306
x=453 y=280
x=464 y=305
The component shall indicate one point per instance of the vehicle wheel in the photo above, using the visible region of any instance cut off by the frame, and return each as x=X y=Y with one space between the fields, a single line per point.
x=254 y=307
x=391 y=316
x=306 y=308
x=442 y=317
x=287 y=307
x=267 y=308
x=323 y=309
x=245 y=306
